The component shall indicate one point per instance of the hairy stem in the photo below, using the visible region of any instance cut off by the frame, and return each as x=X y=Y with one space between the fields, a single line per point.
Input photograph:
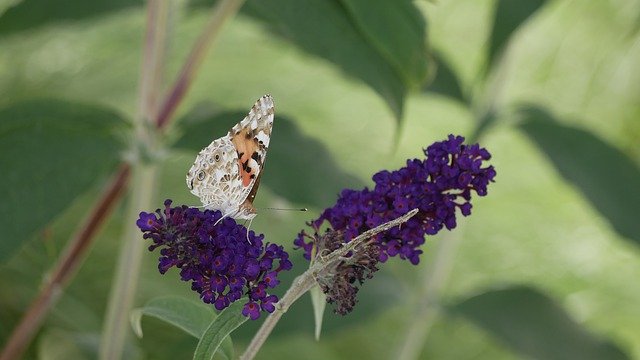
x=66 y=266
x=306 y=281
x=223 y=10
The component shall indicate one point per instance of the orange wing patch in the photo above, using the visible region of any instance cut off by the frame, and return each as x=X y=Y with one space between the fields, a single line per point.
x=249 y=158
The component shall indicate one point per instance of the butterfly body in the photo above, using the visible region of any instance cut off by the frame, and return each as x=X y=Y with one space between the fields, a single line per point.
x=226 y=174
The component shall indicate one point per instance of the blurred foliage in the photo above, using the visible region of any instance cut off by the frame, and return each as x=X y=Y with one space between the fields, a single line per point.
x=589 y=163
x=534 y=325
x=39 y=142
x=344 y=73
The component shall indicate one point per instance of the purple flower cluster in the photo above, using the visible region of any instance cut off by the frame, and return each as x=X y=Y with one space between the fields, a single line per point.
x=436 y=186
x=222 y=261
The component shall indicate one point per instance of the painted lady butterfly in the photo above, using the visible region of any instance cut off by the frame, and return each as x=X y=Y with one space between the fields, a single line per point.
x=226 y=174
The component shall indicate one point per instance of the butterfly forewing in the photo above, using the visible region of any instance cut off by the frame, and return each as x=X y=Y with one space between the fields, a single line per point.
x=225 y=175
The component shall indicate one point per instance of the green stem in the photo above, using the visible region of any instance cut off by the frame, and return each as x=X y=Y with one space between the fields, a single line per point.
x=128 y=266
x=425 y=313
x=123 y=288
x=127 y=272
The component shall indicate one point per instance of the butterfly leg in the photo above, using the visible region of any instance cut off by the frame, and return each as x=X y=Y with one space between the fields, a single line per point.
x=221 y=218
x=249 y=227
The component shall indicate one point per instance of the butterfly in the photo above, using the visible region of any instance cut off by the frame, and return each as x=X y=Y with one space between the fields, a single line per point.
x=226 y=174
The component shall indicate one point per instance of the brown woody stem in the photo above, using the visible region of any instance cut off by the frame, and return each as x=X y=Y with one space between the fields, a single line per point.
x=65 y=267
x=223 y=10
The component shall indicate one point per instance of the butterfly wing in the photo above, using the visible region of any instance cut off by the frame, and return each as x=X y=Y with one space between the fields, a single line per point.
x=251 y=139
x=214 y=175
x=226 y=174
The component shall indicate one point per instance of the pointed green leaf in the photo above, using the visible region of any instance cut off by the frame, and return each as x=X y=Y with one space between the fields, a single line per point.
x=319 y=302
x=534 y=325
x=190 y=316
x=508 y=16
x=605 y=175
x=283 y=158
x=355 y=35
x=219 y=329
x=51 y=151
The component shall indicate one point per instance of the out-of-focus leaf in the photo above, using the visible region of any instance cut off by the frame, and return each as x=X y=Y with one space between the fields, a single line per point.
x=50 y=152
x=533 y=325
x=507 y=17
x=298 y=168
x=219 y=329
x=28 y=14
x=377 y=41
x=605 y=175
x=483 y=122
x=189 y=316
x=404 y=47
x=446 y=82
x=319 y=303
x=59 y=345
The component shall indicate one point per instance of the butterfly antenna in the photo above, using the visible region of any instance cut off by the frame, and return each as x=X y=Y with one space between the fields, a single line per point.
x=284 y=209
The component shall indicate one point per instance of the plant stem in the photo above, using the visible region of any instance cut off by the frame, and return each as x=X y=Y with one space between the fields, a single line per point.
x=128 y=267
x=126 y=278
x=301 y=285
x=66 y=266
x=424 y=315
x=127 y=271
x=223 y=10
x=306 y=281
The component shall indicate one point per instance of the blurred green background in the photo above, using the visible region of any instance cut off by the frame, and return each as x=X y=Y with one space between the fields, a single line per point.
x=549 y=256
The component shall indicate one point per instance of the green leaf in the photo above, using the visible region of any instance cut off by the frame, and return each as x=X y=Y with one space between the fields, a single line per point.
x=605 y=175
x=356 y=35
x=219 y=329
x=319 y=302
x=483 y=122
x=404 y=47
x=533 y=325
x=50 y=152
x=29 y=14
x=56 y=344
x=190 y=316
x=446 y=81
x=283 y=158
x=508 y=16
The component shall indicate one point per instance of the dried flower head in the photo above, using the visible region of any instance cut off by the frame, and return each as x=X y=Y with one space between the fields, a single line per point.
x=222 y=261
x=338 y=281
